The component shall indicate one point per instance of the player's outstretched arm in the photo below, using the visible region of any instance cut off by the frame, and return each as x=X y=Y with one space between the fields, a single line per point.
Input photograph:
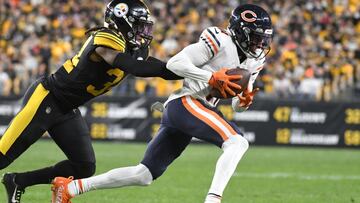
x=186 y=64
x=140 y=68
x=187 y=61
x=167 y=74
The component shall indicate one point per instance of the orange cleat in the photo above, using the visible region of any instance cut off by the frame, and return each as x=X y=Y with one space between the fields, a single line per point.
x=59 y=189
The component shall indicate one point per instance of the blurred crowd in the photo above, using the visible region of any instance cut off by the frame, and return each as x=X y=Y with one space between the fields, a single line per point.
x=315 y=52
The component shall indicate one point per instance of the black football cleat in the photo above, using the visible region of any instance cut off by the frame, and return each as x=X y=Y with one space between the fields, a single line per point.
x=13 y=191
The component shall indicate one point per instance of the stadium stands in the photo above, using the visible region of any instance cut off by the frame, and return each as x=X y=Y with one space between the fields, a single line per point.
x=315 y=52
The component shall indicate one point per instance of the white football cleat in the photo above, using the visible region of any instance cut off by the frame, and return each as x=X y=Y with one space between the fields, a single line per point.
x=213 y=198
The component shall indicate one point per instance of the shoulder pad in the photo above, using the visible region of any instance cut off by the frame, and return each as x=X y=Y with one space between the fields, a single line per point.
x=110 y=39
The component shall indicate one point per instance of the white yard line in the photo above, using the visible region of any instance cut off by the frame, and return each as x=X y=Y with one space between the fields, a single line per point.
x=277 y=175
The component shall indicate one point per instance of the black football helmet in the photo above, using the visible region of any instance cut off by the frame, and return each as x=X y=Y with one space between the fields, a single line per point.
x=132 y=19
x=251 y=30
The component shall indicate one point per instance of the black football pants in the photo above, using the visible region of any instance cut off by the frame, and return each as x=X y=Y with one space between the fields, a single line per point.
x=40 y=113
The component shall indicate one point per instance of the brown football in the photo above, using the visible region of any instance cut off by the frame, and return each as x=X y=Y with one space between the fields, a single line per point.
x=243 y=82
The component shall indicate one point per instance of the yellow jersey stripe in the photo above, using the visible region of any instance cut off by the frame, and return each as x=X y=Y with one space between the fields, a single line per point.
x=109 y=43
x=117 y=40
x=116 y=36
x=107 y=39
x=68 y=66
x=113 y=37
x=23 y=119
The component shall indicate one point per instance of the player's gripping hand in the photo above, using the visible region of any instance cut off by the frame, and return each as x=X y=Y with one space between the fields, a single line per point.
x=221 y=81
x=246 y=98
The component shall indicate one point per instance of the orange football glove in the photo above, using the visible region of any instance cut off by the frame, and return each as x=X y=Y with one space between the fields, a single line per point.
x=246 y=99
x=222 y=82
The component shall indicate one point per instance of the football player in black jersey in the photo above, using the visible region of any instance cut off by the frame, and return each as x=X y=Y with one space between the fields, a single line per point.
x=51 y=103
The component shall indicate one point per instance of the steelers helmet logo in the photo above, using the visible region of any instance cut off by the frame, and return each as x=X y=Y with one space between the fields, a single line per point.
x=121 y=10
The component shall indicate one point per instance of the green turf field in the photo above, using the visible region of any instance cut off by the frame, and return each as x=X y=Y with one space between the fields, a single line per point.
x=266 y=174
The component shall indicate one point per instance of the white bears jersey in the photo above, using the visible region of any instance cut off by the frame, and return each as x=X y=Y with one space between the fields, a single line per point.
x=214 y=50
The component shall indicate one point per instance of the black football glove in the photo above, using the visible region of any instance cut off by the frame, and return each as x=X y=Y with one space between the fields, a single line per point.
x=140 y=53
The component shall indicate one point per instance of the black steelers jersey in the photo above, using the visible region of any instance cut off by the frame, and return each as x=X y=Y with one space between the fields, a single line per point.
x=87 y=75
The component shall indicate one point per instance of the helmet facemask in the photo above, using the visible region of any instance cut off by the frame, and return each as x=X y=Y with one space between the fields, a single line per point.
x=254 y=44
x=142 y=31
x=133 y=23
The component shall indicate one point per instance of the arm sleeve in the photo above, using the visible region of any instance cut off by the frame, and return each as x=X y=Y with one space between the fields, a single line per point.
x=166 y=74
x=150 y=68
x=187 y=62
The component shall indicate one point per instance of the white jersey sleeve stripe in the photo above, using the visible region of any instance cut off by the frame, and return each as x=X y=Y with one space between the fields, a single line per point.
x=214 y=37
x=208 y=45
x=212 y=43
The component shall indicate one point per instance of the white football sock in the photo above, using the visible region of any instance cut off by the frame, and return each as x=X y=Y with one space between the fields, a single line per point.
x=234 y=148
x=128 y=176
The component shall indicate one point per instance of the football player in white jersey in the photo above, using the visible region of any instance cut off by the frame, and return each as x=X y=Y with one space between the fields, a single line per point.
x=190 y=112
